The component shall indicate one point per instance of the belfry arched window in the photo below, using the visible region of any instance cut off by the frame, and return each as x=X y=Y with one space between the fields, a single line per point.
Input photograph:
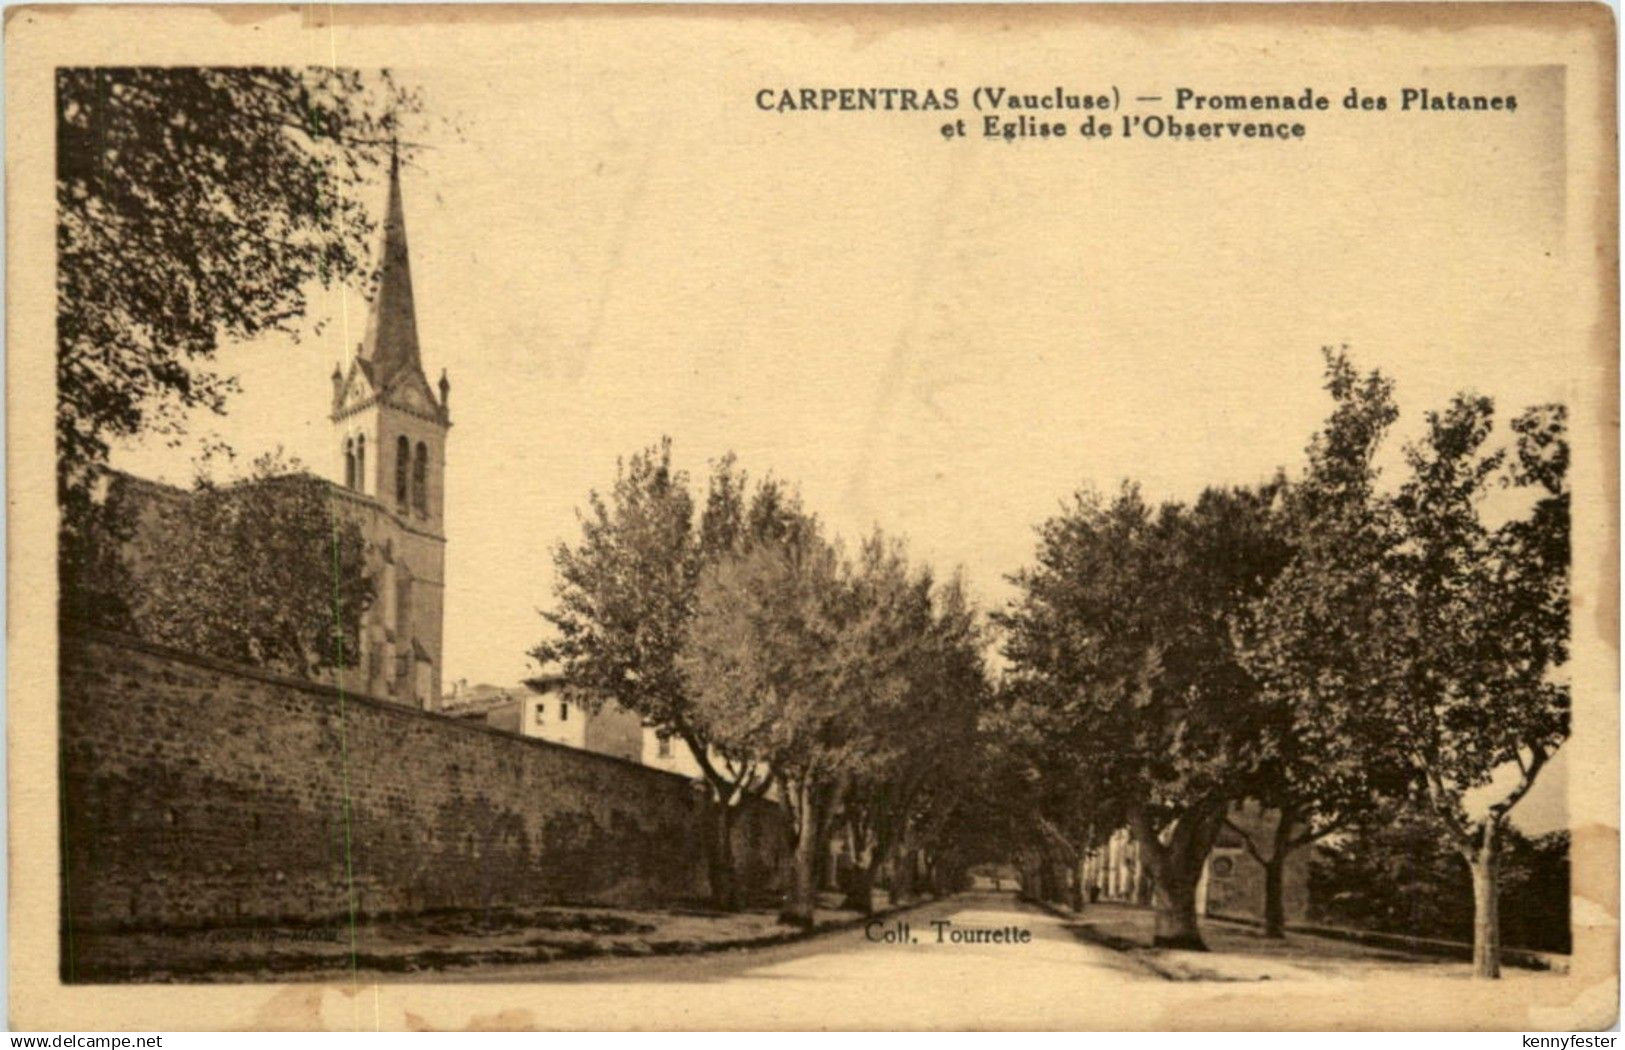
x=420 y=480
x=403 y=453
x=360 y=463
x=349 y=464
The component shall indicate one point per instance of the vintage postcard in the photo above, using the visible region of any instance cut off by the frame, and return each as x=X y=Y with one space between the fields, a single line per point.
x=740 y=517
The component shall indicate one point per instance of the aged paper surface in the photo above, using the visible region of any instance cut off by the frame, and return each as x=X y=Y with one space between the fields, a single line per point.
x=823 y=238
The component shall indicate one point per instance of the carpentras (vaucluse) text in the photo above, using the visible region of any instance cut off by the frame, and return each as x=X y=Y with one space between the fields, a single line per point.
x=1103 y=112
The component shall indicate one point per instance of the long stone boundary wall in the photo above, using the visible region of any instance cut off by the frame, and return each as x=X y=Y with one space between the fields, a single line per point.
x=197 y=793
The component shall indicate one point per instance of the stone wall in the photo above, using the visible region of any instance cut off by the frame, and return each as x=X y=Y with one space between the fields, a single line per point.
x=197 y=792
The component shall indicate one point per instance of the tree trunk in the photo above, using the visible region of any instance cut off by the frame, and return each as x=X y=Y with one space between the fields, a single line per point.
x=1176 y=915
x=1275 y=870
x=1274 y=888
x=1176 y=868
x=1485 y=865
x=860 y=889
x=1075 y=874
x=803 y=901
x=902 y=888
x=720 y=860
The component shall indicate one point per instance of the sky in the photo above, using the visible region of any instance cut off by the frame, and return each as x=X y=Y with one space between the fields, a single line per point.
x=941 y=339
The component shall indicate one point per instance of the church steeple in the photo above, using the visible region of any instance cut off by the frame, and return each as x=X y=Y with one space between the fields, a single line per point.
x=391 y=340
x=389 y=432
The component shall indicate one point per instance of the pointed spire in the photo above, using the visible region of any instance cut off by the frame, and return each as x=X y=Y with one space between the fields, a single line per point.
x=391 y=340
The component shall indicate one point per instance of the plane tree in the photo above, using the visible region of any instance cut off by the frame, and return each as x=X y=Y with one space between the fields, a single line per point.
x=1414 y=650
x=1054 y=813
x=921 y=745
x=267 y=569
x=806 y=657
x=1478 y=697
x=624 y=602
x=1123 y=630
x=1312 y=639
x=760 y=663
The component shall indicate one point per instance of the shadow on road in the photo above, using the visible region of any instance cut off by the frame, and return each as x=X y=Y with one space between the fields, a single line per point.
x=846 y=955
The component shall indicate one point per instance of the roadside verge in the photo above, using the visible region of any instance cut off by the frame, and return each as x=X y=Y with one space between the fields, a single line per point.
x=1239 y=951
x=446 y=941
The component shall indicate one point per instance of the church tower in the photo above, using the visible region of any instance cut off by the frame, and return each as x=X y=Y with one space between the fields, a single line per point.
x=389 y=435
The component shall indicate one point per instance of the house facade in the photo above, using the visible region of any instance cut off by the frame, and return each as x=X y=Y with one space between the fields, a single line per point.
x=1232 y=882
x=541 y=709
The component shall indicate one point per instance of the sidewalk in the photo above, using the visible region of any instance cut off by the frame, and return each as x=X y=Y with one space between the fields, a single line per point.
x=432 y=942
x=1238 y=952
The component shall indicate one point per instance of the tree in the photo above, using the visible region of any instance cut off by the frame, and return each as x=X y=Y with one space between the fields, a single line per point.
x=804 y=658
x=913 y=777
x=1311 y=639
x=1123 y=628
x=1482 y=629
x=1401 y=875
x=267 y=570
x=625 y=598
x=759 y=660
x=990 y=822
x=1053 y=808
x=195 y=205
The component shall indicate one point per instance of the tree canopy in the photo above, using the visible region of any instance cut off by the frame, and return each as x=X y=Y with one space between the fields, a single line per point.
x=196 y=205
x=837 y=672
x=625 y=599
x=1122 y=635
x=1312 y=640
x=265 y=570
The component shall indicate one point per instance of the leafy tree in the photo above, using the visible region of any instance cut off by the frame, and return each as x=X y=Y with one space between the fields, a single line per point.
x=1401 y=875
x=991 y=821
x=1052 y=804
x=624 y=592
x=194 y=205
x=1311 y=639
x=625 y=600
x=267 y=570
x=1123 y=629
x=1482 y=632
x=760 y=660
x=1409 y=642
x=804 y=658
x=914 y=777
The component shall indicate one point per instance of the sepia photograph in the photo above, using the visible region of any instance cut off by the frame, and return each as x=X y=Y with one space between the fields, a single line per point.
x=972 y=517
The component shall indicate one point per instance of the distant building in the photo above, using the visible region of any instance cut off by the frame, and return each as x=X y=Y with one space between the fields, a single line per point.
x=1232 y=882
x=665 y=751
x=547 y=714
x=672 y=753
x=488 y=704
